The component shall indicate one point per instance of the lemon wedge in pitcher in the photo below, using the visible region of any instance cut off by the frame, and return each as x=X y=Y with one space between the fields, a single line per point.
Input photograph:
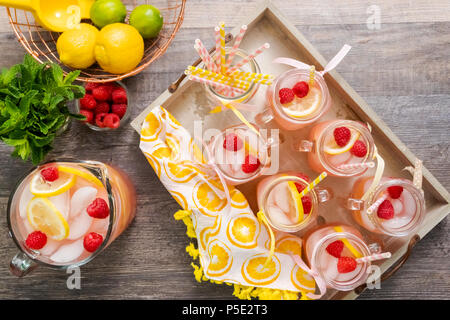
x=331 y=147
x=39 y=187
x=82 y=174
x=299 y=213
x=45 y=217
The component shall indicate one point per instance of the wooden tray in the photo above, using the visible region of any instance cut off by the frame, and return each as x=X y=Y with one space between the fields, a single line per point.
x=188 y=103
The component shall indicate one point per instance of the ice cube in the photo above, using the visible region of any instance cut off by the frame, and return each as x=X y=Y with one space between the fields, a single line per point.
x=100 y=226
x=79 y=225
x=49 y=247
x=81 y=199
x=68 y=252
x=398 y=206
x=282 y=196
x=25 y=198
x=328 y=265
x=339 y=159
x=409 y=204
x=61 y=203
x=396 y=222
x=278 y=217
x=28 y=228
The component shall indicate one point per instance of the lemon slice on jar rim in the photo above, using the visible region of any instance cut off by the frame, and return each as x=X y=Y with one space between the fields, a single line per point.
x=39 y=187
x=43 y=215
x=331 y=147
x=299 y=213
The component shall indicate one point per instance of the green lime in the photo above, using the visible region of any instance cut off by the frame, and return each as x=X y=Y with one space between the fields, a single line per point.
x=147 y=20
x=104 y=12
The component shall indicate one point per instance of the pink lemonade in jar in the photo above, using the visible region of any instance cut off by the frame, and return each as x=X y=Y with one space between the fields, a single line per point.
x=342 y=148
x=400 y=212
x=240 y=154
x=62 y=214
x=277 y=197
x=332 y=251
x=294 y=101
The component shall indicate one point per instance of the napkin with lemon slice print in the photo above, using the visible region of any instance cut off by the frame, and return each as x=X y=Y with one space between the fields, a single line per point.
x=232 y=243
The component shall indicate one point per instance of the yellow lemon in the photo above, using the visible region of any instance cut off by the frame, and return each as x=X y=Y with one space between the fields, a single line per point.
x=119 y=48
x=298 y=212
x=76 y=47
x=305 y=106
x=82 y=174
x=44 y=216
x=39 y=187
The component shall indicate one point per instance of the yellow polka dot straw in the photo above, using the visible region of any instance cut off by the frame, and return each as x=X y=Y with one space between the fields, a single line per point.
x=231 y=246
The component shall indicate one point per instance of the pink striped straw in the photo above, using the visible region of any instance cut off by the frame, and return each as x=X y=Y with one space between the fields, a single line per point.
x=374 y=257
x=369 y=164
x=236 y=45
x=205 y=56
x=249 y=57
x=217 y=56
x=376 y=204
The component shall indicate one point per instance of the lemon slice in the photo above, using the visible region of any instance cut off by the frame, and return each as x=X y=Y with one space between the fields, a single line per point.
x=331 y=147
x=299 y=214
x=44 y=216
x=306 y=105
x=39 y=187
x=82 y=174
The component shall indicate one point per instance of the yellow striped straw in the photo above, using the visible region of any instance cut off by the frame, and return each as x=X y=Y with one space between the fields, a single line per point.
x=223 y=79
x=223 y=68
x=347 y=243
x=312 y=72
x=311 y=186
x=253 y=77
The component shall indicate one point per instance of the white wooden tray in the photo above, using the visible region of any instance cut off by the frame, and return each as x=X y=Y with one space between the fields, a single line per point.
x=188 y=103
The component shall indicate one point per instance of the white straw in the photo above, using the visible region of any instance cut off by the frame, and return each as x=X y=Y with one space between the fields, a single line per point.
x=369 y=164
x=374 y=257
x=376 y=204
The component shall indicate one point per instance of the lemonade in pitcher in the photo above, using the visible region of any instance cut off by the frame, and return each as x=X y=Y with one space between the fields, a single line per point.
x=64 y=213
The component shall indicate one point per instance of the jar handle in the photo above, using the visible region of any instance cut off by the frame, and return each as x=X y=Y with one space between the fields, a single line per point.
x=354 y=204
x=174 y=86
x=303 y=146
x=323 y=194
x=21 y=265
x=389 y=273
x=264 y=117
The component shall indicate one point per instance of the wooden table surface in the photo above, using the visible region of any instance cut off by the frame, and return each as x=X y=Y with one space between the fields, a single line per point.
x=401 y=69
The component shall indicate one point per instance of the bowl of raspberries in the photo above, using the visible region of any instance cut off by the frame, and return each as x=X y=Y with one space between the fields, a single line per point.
x=105 y=106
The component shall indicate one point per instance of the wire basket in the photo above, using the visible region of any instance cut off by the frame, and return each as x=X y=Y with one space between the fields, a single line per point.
x=41 y=43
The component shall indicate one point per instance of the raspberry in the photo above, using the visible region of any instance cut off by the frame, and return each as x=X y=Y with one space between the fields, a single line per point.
x=119 y=96
x=98 y=209
x=342 y=136
x=232 y=142
x=301 y=89
x=102 y=107
x=92 y=241
x=36 y=240
x=91 y=86
x=335 y=248
x=346 y=264
x=385 y=210
x=88 y=102
x=50 y=174
x=251 y=164
x=359 y=149
x=88 y=114
x=395 y=191
x=119 y=109
x=286 y=95
x=307 y=204
x=112 y=121
x=102 y=93
x=99 y=118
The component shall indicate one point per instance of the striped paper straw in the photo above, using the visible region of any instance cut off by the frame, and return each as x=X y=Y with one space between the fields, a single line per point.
x=249 y=57
x=217 y=77
x=236 y=45
x=417 y=176
x=374 y=257
x=217 y=85
x=376 y=204
x=217 y=54
x=222 y=48
x=312 y=72
x=205 y=56
x=369 y=164
x=316 y=181
x=254 y=77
